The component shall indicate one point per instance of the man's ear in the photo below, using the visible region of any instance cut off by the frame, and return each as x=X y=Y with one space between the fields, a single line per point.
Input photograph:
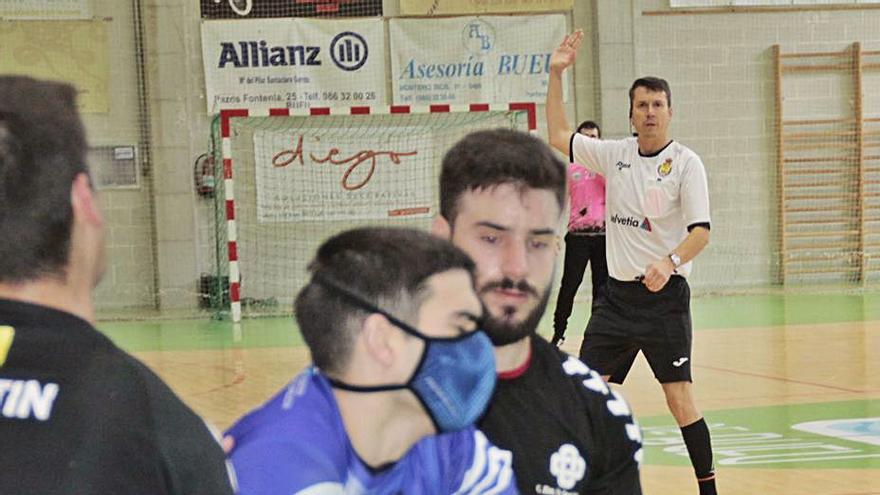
x=378 y=337
x=440 y=227
x=84 y=201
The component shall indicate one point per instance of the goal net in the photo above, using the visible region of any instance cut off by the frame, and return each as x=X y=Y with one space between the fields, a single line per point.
x=291 y=181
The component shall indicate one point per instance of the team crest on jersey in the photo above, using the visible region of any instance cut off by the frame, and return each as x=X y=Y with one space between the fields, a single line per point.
x=665 y=168
x=568 y=466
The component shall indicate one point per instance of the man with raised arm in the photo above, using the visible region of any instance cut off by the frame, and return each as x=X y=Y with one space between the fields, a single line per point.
x=657 y=222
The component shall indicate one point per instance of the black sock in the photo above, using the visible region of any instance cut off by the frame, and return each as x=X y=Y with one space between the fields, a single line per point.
x=699 y=446
x=707 y=487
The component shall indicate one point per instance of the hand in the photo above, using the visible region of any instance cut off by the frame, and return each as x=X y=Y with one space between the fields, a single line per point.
x=557 y=340
x=563 y=56
x=658 y=273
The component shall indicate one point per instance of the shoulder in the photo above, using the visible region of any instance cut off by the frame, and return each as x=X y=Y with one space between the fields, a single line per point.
x=148 y=413
x=302 y=409
x=594 y=391
x=112 y=374
x=607 y=144
x=161 y=401
x=291 y=443
x=687 y=156
x=467 y=462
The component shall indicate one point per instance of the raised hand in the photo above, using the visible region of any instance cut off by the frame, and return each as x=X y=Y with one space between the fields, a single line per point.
x=564 y=54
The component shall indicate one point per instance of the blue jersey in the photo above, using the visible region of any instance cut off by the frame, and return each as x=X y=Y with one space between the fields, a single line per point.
x=296 y=444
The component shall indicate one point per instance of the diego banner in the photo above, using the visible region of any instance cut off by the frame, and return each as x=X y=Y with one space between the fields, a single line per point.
x=330 y=173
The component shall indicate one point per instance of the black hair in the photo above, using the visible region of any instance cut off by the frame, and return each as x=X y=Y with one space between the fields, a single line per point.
x=387 y=267
x=489 y=158
x=655 y=84
x=42 y=150
x=589 y=124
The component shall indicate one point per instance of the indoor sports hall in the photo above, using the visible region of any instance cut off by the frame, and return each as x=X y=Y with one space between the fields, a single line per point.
x=229 y=138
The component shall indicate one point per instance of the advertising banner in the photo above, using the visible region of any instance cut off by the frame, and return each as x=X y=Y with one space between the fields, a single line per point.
x=457 y=7
x=293 y=63
x=498 y=59
x=304 y=176
x=236 y=9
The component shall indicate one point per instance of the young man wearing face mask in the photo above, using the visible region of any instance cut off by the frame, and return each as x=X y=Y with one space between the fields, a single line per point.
x=658 y=212
x=501 y=198
x=391 y=319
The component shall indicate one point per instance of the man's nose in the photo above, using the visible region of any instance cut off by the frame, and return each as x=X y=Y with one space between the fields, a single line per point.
x=515 y=263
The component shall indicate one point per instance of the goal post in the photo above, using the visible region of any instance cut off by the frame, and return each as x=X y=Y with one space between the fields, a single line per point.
x=293 y=177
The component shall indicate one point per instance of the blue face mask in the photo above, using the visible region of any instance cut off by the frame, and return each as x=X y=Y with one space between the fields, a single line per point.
x=455 y=378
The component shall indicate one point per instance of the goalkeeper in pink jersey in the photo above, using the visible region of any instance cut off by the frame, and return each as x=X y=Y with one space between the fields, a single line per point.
x=585 y=240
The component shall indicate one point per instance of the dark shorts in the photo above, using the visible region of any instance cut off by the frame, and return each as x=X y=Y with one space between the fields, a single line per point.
x=631 y=319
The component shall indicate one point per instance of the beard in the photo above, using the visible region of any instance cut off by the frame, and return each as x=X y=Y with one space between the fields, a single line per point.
x=503 y=332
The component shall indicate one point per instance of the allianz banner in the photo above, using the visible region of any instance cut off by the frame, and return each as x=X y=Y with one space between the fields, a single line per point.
x=235 y=9
x=293 y=63
x=460 y=60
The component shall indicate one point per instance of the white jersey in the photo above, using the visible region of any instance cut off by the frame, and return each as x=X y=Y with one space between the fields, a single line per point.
x=650 y=200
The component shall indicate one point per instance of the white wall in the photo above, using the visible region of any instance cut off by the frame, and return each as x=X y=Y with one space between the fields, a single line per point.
x=128 y=281
x=721 y=73
x=719 y=66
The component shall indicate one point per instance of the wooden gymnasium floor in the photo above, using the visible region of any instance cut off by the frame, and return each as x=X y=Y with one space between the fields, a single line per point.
x=790 y=385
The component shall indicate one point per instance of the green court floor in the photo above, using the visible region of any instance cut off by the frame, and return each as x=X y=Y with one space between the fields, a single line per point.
x=809 y=421
x=709 y=313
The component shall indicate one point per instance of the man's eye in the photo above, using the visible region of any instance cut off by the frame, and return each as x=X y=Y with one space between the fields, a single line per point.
x=540 y=244
x=491 y=239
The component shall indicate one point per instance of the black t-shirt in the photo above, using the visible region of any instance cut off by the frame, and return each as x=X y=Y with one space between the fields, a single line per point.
x=568 y=431
x=80 y=416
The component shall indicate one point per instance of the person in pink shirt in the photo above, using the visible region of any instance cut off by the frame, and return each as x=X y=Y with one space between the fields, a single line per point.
x=585 y=240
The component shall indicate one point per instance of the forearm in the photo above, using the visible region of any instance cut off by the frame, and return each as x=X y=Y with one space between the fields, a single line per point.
x=693 y=244
x=558 y=130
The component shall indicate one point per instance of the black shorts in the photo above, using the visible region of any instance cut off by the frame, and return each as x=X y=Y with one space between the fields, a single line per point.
x=631 y=319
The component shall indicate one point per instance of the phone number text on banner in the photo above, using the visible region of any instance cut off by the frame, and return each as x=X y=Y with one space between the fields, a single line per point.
x=492 y=59
x=337 y=174
x=293 y=63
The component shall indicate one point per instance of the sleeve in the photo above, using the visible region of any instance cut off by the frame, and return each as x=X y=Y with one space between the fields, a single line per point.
x=192 y=459
x=268 y=467
x=594 y=154
x=474 y=466
x=695 y=192
x=618 y=437
x=273 y=459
